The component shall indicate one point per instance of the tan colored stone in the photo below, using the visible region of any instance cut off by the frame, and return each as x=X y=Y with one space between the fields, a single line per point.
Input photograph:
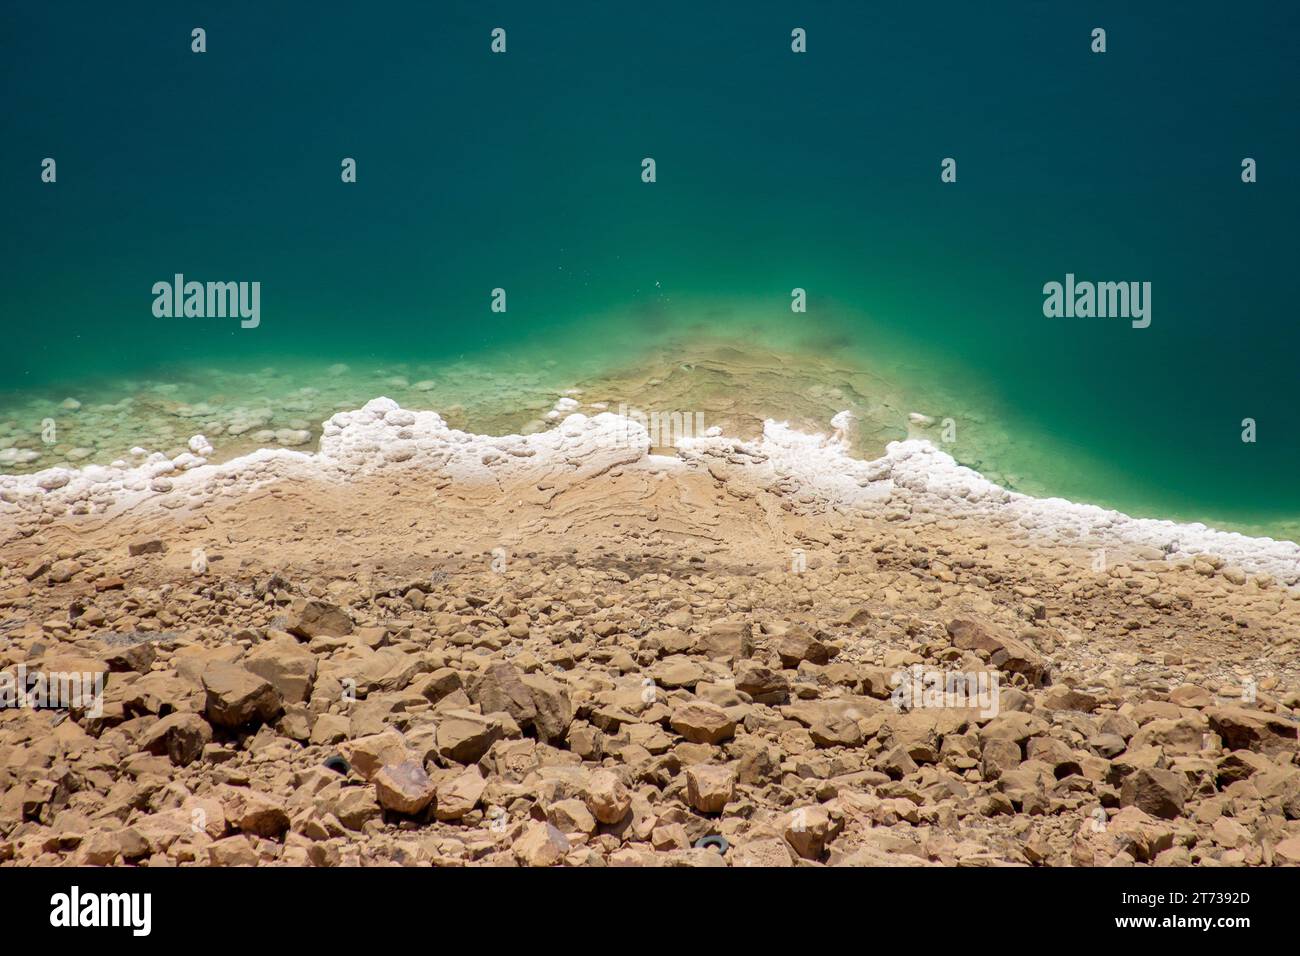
x=404 y=788
x=606 y=797
x=236 y=696
x=709 y=787
x=703 y=723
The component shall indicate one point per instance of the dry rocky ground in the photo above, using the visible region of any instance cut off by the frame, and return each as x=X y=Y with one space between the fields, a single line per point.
x=606 y=672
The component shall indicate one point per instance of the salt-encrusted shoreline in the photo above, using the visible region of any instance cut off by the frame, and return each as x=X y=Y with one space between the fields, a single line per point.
x=913 y=479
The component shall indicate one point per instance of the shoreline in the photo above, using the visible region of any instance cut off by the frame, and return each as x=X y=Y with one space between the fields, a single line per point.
x=913 y=477
x=738 y=375
x=732 y=383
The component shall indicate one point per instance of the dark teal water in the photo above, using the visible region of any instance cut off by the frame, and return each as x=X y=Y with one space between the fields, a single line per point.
x=774 y=171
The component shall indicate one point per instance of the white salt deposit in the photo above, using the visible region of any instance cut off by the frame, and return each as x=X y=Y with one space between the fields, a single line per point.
x=913 y=479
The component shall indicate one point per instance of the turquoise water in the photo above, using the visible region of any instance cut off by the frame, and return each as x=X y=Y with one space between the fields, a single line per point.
x=775 y=171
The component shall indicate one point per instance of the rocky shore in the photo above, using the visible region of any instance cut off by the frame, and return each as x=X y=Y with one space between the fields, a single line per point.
x=418 y=647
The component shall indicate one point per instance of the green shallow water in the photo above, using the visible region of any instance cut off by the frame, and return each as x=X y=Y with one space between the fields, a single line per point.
x=775 y=171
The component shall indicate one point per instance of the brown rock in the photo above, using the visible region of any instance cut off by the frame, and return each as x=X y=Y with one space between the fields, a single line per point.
x=571 y=816
x=253 y=811
x=896 y=762
x=762 y=683
x=606 y=797
x=180 y=736
x=62 y=571
x=1287 y=852
x=232 y=851
x=807 y=830
x=540 y=845
x=138 y=657
x=703 y=723
x=709 y=787
x=499 y=688
x=318 y=619
x=553 y=707
x=1159 y=793
x=287 y=665
x=404 y=788
x=1244 y=729
x=999 y=756
x=459 y=795
x=725 y=640
x=1062 y=697
x=440 y=683
x=836 y=730
x=370 y=753
x=797 y=645
x=465 y=736
x=236 y=696
x=356 y=806
x=1005 y=653
x=764 y=852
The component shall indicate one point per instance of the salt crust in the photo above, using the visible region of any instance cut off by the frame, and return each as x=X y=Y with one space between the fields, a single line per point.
x=913 y=479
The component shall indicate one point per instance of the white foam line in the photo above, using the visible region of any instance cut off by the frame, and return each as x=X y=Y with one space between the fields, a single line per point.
x=913 y=477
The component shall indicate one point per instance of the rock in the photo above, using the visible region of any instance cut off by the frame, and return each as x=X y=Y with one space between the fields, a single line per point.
x=1279 y=786
x=145 y=546
x=1287 y=852
x=553 y=707
x=762 y=683
x=459 y=795
x=252 y=811
x=97 y=849
x=465 y=736
x=179 y=736
x=330 y=729
x=756 y=762
x=807 y=830
x=1062 y=697
x=999 y=756
x=318 y=619
x=500 y=689
x=835 y=730
x=571 y=816
x=1244 y=729
x=1108 y=745
x=236 y=696
x=540 y=845
x=725 y=640
x=404 y=788
x=668 y=837
x=606 y=797
x=232 y=851
x=124 y=658
x=440 y=683
x=703 y=723
x=897 y=763
x=368 y=754
x=1189 y=695
x=709 y=788
x=62 y=571
x=288 y=666
x=1159 y=793
x=762 y=852
x=797 y=645
x=678 y=671
x=1005 y=653
x=357 y=806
